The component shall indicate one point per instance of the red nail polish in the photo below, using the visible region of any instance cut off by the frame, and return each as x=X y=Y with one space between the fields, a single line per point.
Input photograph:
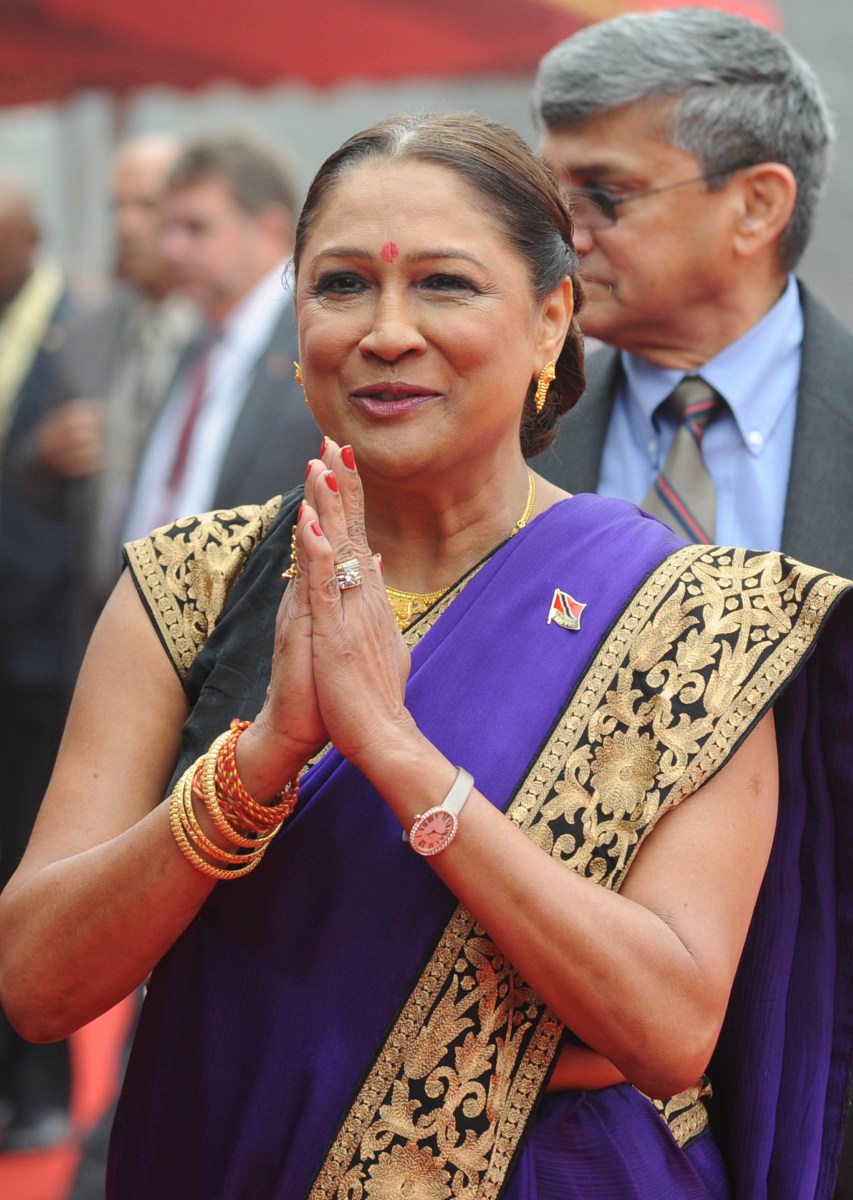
x=331 y=480
x=299 y=514
x=348 y=457
x=323 y=448
x=316 y=530
x=308 y=469
x=381 y=566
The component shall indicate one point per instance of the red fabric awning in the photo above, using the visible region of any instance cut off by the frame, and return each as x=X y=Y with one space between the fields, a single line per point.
x=52 y=48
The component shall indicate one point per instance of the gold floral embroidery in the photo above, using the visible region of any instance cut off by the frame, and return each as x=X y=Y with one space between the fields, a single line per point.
x=185 y=570
x=407 y=1171
x=685 y=1114
x=690 y=666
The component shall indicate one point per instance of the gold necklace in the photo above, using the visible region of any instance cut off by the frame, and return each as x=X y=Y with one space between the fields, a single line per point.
x=408 y=605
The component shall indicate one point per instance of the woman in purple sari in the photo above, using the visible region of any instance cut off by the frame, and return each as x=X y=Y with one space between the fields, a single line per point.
x=416 y=925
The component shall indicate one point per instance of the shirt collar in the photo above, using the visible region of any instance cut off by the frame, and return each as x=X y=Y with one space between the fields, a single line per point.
x=750 y=374
x=253 y=317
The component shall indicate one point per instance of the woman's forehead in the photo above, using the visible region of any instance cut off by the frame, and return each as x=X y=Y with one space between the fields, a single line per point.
x=396 y=202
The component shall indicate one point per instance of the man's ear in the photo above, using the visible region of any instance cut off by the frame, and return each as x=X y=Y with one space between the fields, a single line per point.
x=768 y=192
x=278 y=223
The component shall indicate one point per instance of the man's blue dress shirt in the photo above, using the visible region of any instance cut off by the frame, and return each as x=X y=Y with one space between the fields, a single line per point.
x=747 y=448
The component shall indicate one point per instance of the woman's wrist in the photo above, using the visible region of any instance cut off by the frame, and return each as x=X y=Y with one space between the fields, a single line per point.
x=408 y=771
x=268 y=760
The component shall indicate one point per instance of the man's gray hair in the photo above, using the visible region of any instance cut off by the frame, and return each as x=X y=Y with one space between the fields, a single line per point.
x=743 y=95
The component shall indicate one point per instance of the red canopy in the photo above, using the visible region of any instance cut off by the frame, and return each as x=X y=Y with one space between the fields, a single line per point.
x=51 y=48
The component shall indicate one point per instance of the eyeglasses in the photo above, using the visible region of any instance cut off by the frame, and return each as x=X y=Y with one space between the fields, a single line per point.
x=596 y=208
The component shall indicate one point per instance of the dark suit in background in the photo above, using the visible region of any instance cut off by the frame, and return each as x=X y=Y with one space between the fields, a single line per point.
x=274 y=434
x=119 y=356
x=819 y=504
x=36 y=678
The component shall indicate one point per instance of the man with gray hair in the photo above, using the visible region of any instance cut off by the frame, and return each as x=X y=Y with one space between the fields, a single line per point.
x=693 y=145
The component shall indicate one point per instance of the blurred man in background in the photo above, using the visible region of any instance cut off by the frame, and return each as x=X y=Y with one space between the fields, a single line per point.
x=234 y=428
x=118 y=363
x=36 y=667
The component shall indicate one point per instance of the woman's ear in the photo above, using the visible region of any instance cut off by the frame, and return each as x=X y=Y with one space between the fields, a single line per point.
x=555 y=319
x=768 y=194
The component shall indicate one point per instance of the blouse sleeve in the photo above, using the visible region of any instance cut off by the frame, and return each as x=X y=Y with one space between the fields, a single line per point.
x=184 y=571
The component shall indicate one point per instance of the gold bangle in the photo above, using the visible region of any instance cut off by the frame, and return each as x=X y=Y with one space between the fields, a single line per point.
x=211 y=803
x=194 y=831
x=220 y=817
x=239 y=818
x=190 y=854
x=235 y=799
x=211 y=800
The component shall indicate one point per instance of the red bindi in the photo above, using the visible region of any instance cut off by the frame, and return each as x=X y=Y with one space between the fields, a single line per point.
x=390 y=251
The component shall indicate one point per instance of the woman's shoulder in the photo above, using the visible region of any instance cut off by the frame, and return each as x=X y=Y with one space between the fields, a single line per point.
x=184 y=571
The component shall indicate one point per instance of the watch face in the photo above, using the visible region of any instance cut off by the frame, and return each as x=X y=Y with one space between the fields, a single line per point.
x=433 y=831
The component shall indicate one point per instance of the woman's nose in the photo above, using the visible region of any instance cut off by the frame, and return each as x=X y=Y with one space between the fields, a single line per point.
x=393 y=331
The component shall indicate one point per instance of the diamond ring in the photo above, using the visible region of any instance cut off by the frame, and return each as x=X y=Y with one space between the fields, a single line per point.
x=348 y=574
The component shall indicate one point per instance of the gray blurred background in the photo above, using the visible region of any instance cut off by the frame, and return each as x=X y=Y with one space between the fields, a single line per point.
x=65 y=149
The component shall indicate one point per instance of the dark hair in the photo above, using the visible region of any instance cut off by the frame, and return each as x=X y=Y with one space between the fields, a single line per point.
x=255 y=175
x=740 y=95
x=516 y=187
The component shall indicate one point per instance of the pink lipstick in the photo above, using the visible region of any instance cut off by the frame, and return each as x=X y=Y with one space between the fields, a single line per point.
x=391 y=398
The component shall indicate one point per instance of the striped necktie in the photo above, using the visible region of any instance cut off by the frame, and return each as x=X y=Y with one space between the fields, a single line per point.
x=683 y=495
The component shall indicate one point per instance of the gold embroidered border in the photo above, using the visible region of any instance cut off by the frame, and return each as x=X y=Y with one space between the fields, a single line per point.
x=685 y=1114
x=692 y=663
x=185 y=570
x=695 y=659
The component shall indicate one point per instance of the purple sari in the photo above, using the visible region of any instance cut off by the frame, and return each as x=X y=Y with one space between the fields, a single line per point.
x=304 y=1035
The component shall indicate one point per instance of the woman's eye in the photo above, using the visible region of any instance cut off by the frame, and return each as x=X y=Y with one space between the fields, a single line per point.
x=448 y=283
x=339 y=283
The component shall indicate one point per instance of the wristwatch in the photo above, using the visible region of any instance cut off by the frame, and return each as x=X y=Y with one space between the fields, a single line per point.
x=434 y=830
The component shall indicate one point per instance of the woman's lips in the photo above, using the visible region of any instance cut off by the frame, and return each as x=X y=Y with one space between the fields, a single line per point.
x=391 y=399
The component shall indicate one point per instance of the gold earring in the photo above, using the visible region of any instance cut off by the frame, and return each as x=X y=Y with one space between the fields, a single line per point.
x=546 y=377
x=297 y=373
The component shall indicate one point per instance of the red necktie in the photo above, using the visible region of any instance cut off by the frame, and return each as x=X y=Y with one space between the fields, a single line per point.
x=197 y=387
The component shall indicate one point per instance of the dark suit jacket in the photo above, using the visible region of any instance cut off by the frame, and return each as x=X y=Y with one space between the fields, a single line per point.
x=275 y=434
x=818 y=523
x=36 y=658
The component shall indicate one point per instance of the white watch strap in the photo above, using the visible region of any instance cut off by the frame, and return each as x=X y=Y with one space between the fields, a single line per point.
x=456 y=798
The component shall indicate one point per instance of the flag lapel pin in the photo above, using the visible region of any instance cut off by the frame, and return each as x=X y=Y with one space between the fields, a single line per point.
x=565 y=610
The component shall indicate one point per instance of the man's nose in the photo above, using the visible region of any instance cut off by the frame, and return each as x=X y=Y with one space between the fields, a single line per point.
x=582 y=238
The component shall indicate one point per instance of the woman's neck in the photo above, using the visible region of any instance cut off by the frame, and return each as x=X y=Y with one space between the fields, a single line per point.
x=428 y=538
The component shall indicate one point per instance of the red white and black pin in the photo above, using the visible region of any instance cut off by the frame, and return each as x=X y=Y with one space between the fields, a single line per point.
x=565 y=610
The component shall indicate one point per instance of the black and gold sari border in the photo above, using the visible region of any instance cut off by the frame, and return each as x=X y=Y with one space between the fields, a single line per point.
x=185 y=570
x=697 y=656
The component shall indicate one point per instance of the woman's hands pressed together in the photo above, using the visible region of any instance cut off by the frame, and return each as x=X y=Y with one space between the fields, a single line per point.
x=340 y=664
x=359 y=658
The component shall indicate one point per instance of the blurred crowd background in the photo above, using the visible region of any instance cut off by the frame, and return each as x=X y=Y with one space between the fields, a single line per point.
x=80 y=77
x=65 y=148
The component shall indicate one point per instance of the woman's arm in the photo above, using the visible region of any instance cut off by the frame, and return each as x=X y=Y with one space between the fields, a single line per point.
x=643 y=976
x=102 y=890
